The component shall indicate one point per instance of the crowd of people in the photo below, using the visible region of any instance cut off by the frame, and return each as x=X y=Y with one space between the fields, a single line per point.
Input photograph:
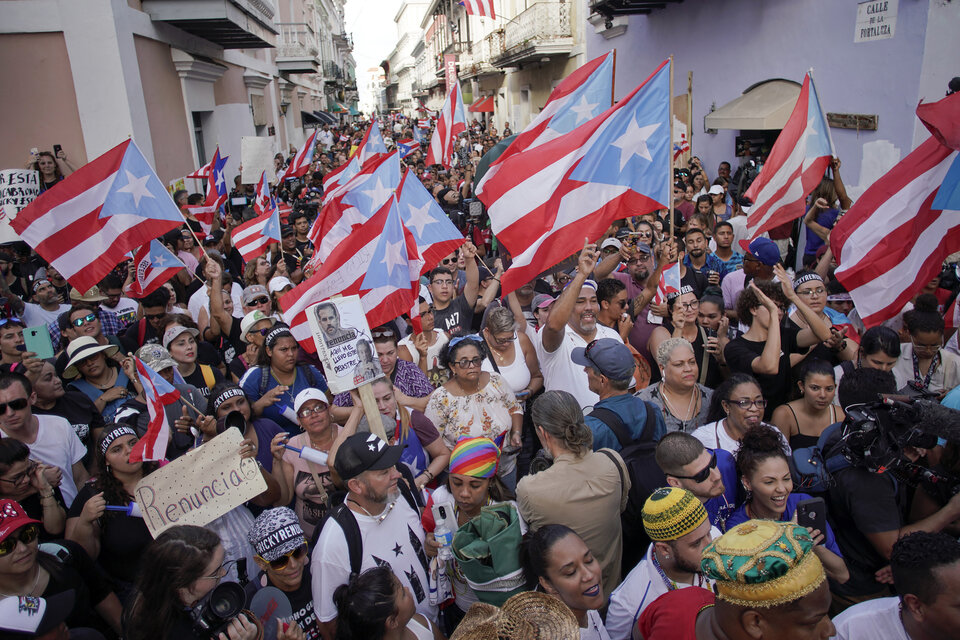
x=578 y=458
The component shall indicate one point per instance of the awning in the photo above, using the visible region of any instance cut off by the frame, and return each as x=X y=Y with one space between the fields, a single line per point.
x=483 y=105
x=766 y=105
x=325 y=118
x=338 y=108
x=353 y=111
x=306 y=117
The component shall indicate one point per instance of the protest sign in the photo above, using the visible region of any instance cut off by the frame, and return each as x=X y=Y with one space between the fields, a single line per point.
x=344 y=344
x=18 y=188
x=256 y=156
x=199 y=486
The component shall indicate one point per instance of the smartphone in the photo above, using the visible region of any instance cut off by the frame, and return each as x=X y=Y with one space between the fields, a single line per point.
x=37 y=339
x=56 y=150
x=812 y=513
x=711 y=333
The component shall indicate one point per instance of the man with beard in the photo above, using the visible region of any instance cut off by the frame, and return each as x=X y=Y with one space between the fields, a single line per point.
x=573 y=323
x=709 y=475
x=390 y=530
x=699 y=260
x=677 y=524
x=328 y=317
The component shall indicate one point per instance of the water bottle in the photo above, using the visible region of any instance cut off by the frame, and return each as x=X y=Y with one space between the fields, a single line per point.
x=443 y=531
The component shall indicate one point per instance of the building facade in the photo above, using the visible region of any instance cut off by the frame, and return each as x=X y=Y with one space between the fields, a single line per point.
x=178 y=77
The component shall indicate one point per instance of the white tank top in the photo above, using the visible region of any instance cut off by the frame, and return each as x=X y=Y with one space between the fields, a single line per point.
x=420 y=631
x=433 y=351
x=516 y=374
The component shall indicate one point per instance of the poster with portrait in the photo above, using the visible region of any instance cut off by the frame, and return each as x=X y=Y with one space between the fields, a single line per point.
x=344 y=343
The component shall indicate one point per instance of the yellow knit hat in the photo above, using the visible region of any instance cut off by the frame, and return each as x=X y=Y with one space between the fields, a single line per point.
x=671 y=512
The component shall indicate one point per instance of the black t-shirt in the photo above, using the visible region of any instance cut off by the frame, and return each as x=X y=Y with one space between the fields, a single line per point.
x=695 y=280
x=198 y=380
x=819 y=352
x=456 y=318
x=301 y=601
x=73 y=569
x=131 y=337
x=33 y=505
x=740 y=353
x=80 y=412
x=123 y=538
x=862 y=502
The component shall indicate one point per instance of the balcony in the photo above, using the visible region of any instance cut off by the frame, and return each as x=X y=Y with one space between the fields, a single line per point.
x=332 y=73
x=543 y=29
x=231 y=24
x=297 y=48
x=478 y=63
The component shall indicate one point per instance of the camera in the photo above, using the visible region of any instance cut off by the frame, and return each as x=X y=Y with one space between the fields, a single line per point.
x=223 y=604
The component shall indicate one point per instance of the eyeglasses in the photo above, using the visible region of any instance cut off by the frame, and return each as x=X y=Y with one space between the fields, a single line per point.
x=687 y=306
x=17 y=405
x=564 y=279
x=645 y=234
x=281 y=563
x=306 y=413
x=503 y=341
x=258 y=301
x=27 y=535
x=467 y=363
x=819 y=291
x=442 y=283
x=704 y=473
x=746 y=404
x=79 y=322
x=22 y=478
x=221 y=571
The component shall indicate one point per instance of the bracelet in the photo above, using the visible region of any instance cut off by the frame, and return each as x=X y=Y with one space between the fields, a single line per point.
x=428 y=473
x=46 y=497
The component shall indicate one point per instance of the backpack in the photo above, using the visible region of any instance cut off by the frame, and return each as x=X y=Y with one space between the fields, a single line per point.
x=645 y=478
x=348 y=522
x=265 y=377
x=812 y=468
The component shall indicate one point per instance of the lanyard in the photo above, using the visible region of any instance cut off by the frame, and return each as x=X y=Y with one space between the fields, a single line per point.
x=917 y=383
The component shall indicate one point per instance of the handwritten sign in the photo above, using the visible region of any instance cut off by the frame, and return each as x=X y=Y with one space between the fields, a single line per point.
x=344 y=344
x=18 y=188
x=199 y=486
x=876 y=20
x=256 y=156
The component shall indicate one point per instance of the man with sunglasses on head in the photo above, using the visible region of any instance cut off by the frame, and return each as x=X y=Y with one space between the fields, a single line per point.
x=452 y=313
x=282 y=556
x=44 y=309
x=709 y=474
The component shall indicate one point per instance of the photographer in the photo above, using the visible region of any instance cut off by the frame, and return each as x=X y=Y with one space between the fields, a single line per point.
x=180 y=568
x=868 y=510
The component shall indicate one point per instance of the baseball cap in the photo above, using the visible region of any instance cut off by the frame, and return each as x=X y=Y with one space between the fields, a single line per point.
x=542 y=300
x=610 y=357
x=33 y=617
x=252 y=318
x=763 y=249
x=306 y=396
x=156 y=357
x=365 y=452
x=12 y=517
x=174 y=331
x=611 y=242
x=745 y=203
x=253 y=292
x=279 y=283
x=715 y=190
x=643 y=247
x=275 y=533
x=286 y=230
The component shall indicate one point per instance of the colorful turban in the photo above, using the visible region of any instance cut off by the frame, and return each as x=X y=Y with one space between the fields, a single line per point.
x=670 y=513
x=475 y=457
x=763 y=563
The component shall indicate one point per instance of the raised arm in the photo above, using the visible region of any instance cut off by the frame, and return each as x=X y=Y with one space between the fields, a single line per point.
x=555 y=328
x=472 y=287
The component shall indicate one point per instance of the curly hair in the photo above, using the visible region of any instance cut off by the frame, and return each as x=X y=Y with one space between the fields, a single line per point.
x=748 y=300
x=914 y=558
x=758 y=444
x=449 y=355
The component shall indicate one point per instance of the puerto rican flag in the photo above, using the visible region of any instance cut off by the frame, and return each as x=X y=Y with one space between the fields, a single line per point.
x=796 y=164
x=451 y=124
x=436 y=236
x=894 y=239
x=97 y=215
x=263 y=202
x=423 y=123
x=482 y=8
x=154 y=265
x=407 y=147
x=216 y=194
x=254 y=236
x=340 y=176
x=581 y=97
x=372 y=145
x=204 y=172
x=301 y=162
x=544 y=204
x=669 y=283
x=392 y=284
x=157 y=393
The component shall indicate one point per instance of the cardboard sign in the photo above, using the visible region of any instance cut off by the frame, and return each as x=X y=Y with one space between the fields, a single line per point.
x=199 y=486
x=344 y=343
x=18 y=188
x=256 y=156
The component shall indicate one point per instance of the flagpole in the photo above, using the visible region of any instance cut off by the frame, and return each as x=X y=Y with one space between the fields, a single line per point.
x=670 y=151
x=813 y=87
x=613 y=79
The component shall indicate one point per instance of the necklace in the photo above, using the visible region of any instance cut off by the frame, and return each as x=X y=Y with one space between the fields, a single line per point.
x=36 y=581
x=670 y=584
x=383 y=515
x=689 y=414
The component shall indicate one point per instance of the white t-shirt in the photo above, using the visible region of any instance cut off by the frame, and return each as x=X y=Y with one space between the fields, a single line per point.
x=326 y=138
x=34 y=315
x=126 y=310
x=57 y=444
x=396 y=542
x=714 y=436
x=594 y=629
x=871 y=620
x=201 y=300
x=561 y=373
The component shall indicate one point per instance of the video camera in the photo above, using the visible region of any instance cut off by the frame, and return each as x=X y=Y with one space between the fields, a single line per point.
x=875 y=436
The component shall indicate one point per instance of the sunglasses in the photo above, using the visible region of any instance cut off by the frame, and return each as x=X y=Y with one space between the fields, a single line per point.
x=15 y=319
x=384 y=334
x=154 y=316
x=704 y=473
x=79 y=322
x=27 y=535
x=448 y=261
x=16 y=405
x=281 y=563
x=259 y=301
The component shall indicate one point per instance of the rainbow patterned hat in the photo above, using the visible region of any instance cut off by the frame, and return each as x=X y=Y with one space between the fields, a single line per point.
x=475 y=457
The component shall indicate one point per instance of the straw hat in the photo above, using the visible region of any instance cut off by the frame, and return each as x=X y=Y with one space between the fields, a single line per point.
x=82 y=348
x=525 y=616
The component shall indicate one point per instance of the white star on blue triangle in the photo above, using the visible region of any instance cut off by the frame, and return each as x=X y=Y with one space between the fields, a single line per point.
x=589 y=100
x=161 y=258
x=375 y=143
x=389 y=266
x=271 y=228
x=423 y=216
x=632 y=148
x=218 y=180
x=818 y=139
x=373 y=194
x=137 y=191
